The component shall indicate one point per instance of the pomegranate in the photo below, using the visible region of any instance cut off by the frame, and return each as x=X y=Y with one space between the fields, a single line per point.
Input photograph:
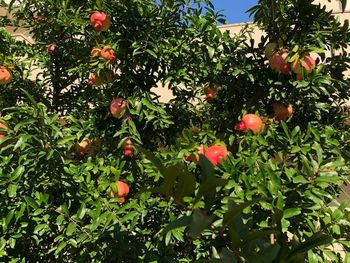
x=210 y=92
x=281 y=111
x=83 y=146
x=123 y=190
x=108 y=53
x=117 y=107
x=5 y=76
x=127 y=144
x=95 y=52
x=52 y=48
x=3 y=130
x=95 y=79
x=306 y=63
x=215 y=153
x=38 y=18
x=128 y=147
x=250 y=122
x=128 y=152
x=100 y=21
x=278 y=62
x=270 y=49
x=194 y=157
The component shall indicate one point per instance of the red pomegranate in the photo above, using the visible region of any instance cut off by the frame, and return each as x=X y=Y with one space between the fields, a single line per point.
x=3 y=128
x=100 y=21
x=250 y=122
x=210 y=92
x=194 y=157
x=281 y=111
x=215 y=153
x=306 y=63
x=127 y=144
x=128 y=147
x=95 y=52
x=278 y=62
x=52 y=48
x=38 y=18
x=123 y=190
x=108 y=53
x=128 y=152
x=117 y=107
x=96 y=80
x=83 y=146
x=299 y=76
x=5 y=76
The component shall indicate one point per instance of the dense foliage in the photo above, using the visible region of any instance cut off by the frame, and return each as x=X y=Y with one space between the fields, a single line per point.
x=64 y=147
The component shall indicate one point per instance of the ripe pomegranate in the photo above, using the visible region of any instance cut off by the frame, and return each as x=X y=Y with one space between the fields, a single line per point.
x=210 y=92
x=3 y=130
x=278 y=62
x=128 y=147
x=5 y=76
x=215 y=153
x=100 y=21
x=306 y=62
x=270 y=49
x=83 y=146
x=117 y=107
x=95 y=79
x=108 y=53
x=52 y=48
x=95 y=52
x=128 y=152
x=123 y=190
x=194 y=157
x=281 y=111
x=127 y=144
x=38 y=18
x=250 y=122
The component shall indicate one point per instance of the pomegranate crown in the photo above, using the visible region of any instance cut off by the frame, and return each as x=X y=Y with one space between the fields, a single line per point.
x=98 y=25
x=241 y=126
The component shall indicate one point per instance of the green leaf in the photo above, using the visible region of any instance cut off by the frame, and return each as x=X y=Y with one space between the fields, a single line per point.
x=208 y=186
x=316 y=240
x=71 y=229
x=61 y=246
x=150 y=156
x=31 y=202
x=12 y=189
x=17 y=173
x=180 y=222
x=199 y=223
x=211 y=51
x=129 y=216
x=81 y=212
x=234 y=210
x=152 y=53
x=290 y=212
x=185 y=186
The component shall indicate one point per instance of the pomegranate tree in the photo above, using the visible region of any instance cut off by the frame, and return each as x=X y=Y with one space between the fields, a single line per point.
x=69 y=160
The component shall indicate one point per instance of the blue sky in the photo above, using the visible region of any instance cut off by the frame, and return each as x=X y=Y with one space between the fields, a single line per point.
x=234 y=10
